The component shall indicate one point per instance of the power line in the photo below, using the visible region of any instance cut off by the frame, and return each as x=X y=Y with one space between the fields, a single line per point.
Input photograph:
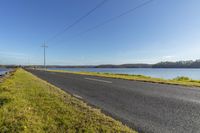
x=118 y=16
x=78 y=20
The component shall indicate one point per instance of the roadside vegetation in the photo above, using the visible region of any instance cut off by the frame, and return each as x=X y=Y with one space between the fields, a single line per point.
x=29 y=104
x=184 y=81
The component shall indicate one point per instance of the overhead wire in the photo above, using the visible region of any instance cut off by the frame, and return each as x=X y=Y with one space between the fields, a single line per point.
x=117 y=17
x=78 y=20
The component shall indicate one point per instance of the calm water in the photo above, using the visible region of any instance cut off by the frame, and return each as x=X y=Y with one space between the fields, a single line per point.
x=158 y=73
x=3 y=70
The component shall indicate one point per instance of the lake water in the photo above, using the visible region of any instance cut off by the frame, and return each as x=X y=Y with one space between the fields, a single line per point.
x=3 y=71
x=169 y=73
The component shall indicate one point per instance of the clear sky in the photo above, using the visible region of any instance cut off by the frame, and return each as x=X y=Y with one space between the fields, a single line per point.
x=162 y=30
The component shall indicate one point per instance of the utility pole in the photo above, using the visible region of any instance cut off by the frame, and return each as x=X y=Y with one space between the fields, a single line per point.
x=44 y=46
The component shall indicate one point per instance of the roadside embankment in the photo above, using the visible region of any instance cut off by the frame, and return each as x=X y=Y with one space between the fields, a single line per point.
x=29 y=104
x=6 y=74
x=184 y=81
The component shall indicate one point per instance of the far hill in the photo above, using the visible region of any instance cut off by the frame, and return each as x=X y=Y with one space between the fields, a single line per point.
x=167 y=64
x=178 y=64
x=125 y=66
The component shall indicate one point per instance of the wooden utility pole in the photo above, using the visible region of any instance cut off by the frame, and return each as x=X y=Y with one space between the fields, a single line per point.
x=44 y=46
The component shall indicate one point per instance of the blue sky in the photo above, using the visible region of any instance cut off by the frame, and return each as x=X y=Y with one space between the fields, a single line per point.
x=160 y=31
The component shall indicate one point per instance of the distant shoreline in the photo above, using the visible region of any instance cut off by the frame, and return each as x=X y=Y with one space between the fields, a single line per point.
x=178 y=64
x=167 y=64
x=124 y=67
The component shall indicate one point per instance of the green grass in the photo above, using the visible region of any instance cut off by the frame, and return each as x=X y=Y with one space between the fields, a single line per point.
x=184 y=81
x=31 y=105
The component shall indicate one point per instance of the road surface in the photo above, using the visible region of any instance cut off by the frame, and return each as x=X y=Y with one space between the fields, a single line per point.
x=147 y=107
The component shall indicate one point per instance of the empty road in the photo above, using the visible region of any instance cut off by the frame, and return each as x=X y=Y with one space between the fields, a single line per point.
x=147 y=107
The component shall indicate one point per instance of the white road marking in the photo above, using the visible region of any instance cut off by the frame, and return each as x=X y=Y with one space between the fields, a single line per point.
x=99 y=80
x=77 y=96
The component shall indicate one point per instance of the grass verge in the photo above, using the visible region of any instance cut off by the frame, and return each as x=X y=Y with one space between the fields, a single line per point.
x=29 y=104
x=184 y=81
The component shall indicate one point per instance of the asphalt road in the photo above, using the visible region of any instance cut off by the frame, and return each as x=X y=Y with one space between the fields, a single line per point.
x=147 y=107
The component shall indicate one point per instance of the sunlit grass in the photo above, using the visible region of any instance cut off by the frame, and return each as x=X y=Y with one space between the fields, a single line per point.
x=28 y=104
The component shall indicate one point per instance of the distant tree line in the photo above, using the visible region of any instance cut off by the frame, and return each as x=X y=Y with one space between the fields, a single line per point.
x=167 y=64
x=9 y=66
x=125 y=66
x=178 y=64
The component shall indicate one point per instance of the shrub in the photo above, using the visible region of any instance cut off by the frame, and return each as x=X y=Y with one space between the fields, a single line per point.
x=182 y=78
